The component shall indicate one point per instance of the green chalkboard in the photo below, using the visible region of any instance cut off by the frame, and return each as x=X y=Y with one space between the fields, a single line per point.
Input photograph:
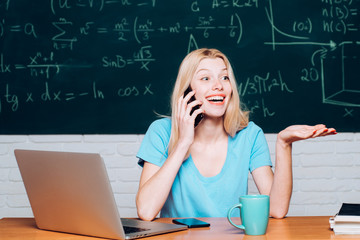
x=108 y=66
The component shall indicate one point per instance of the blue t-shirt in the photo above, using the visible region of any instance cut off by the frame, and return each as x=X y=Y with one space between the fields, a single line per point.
x=192 y=194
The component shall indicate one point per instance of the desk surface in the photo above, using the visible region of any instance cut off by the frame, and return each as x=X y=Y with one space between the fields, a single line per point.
x=288 y=228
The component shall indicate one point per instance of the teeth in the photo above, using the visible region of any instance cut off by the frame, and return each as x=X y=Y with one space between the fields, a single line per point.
x=215 y=98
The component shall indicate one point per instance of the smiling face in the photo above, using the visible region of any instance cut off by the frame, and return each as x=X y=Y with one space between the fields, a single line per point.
x=212 y=86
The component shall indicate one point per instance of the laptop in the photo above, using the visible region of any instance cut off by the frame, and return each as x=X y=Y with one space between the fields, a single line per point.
x=70 y=192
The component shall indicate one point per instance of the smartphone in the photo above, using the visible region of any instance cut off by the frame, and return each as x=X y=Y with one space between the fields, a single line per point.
x=198 y=117
x=191 y=222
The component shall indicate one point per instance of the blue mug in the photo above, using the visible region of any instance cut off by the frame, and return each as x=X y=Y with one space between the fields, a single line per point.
x=254 y=214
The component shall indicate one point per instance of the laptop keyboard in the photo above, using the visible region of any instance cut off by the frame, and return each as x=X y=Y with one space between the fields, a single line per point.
x=128 y=229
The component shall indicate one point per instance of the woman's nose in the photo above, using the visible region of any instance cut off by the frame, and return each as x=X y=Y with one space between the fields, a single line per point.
x=217 y=85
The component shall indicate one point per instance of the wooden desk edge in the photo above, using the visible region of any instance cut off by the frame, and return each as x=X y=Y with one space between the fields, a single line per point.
x=313 y=227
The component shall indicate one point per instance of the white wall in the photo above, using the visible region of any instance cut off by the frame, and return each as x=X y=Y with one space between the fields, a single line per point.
x=326 y=170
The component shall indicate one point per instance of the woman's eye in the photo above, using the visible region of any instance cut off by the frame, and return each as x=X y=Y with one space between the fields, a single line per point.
x=205 y=78
x=225 y=78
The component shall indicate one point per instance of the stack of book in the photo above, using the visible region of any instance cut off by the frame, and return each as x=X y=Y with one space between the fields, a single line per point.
x=347 y=221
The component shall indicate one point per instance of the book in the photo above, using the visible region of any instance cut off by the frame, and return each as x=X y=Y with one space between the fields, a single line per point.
x=347 y=221
x=349 y=212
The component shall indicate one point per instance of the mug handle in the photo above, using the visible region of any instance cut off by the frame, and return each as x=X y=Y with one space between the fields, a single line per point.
x=229 y=216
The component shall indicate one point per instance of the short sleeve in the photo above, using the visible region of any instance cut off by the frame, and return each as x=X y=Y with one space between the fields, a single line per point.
x=154 y=146
x=260 y=155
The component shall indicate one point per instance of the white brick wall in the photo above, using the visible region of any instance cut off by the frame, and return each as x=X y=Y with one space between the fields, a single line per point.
x=326 y=170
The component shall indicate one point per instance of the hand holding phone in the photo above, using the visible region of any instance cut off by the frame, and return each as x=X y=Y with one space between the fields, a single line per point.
x=191 y=222
x=198 y=117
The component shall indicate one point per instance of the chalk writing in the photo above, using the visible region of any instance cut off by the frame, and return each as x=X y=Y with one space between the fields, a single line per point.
x=49 y=93
x=263 y=84
x=97 y=5
x=110 y=61
x=340 y=12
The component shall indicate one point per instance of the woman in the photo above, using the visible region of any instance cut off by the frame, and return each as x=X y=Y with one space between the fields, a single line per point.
x=201 y=171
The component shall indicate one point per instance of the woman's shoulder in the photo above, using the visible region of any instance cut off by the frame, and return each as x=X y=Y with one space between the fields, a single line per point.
x=160 y=125
x=251 y=127
x=162 y=122
x=250 y=132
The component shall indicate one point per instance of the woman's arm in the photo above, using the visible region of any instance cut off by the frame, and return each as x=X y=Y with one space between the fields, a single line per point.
x=156 y=182
x=279 y=184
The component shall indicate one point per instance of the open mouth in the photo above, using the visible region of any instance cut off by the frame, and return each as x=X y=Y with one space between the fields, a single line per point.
x=216 y=99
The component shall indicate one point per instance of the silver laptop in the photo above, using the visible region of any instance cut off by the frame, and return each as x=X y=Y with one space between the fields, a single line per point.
x=70 y=192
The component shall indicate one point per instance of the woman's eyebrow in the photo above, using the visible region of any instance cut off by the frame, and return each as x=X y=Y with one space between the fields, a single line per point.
x=202 y=69
x=207 y=69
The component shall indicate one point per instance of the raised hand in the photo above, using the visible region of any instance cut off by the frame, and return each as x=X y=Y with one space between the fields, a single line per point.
x=301 y=132
x=184 y=118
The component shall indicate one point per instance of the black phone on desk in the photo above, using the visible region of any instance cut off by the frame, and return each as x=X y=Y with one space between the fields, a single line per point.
x=198 y=117
x=191 y=222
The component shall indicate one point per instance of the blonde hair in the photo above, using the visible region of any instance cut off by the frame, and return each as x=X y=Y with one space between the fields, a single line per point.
x=235 y=118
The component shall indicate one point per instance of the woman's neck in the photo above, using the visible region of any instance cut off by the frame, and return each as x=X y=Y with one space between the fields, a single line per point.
x=210 y=130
